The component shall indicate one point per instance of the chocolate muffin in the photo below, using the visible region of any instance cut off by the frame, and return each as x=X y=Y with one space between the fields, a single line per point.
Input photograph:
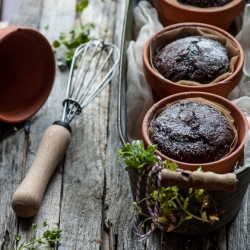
x=193 y=58
x=205 y=3
x=192 y=132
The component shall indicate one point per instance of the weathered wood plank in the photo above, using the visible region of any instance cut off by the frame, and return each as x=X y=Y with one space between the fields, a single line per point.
x=13 y=159
x=118 y=209
x=238 y=230
x=59 y=15
x=88 y=149
x=28 y=15
x=11 y=170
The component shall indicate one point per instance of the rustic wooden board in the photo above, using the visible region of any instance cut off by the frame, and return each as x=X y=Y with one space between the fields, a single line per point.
x=11 y=170
x=88 y=150
x=13 y=149
x=118 y=198
x=238 y=230
x=38 y=14
x=89 y=195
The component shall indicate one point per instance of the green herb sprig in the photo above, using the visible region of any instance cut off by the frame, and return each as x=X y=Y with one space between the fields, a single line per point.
x=49 y=236
x=78 y=35
x=174 y=208
x=135 y=156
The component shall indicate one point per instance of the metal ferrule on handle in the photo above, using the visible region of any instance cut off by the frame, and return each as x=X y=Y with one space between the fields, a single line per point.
x=28 y=197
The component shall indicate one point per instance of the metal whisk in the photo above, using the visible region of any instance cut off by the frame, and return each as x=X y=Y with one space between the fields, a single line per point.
x=93 y=66
x=91 y=58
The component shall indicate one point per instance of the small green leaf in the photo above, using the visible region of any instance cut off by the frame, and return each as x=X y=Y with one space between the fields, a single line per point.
x=185 y=202
x=34 y=225
x=46 y=234
x=200 y=169
x=45 y=224
x=204 y=215
x=81 y=6
x=15 y=128
x=18 y=237
x=56 y=44
x=189 y=217
x=40 y=241
x=62 y=36
x=139 y=210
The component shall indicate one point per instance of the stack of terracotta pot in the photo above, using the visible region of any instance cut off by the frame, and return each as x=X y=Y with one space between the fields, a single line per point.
x=181 y=20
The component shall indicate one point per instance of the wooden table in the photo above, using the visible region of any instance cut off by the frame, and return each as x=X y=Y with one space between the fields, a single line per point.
x=89 y=195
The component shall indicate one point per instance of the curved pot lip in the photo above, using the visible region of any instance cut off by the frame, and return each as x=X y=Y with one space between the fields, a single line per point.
x=194 y=9
x=5 y=34
x=8 y=31
x=221 y=100
x=240 y=60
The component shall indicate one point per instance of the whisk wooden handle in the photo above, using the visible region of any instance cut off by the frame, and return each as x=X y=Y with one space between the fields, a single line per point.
x=199 y=180
x=28 y=197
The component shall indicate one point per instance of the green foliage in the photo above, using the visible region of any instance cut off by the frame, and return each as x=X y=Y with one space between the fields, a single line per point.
x=135 y=156
x=174 y=208
x=49 y=236
x=78 y=35
x=81 y=6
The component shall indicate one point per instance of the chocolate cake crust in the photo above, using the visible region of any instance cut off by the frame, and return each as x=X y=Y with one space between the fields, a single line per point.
x=192 y=132
x=193 y=58
x=205 y=3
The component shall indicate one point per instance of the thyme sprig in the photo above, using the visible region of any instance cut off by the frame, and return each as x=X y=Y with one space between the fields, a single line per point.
x=174 y=203
x=49 y=236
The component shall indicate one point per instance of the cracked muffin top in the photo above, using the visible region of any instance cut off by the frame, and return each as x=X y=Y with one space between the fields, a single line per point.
x=192 y=132
x=193 y=58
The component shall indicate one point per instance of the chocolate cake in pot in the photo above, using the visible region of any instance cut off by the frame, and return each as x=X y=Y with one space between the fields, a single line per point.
x=193 y=58
x=205 y=3
x=192 y=132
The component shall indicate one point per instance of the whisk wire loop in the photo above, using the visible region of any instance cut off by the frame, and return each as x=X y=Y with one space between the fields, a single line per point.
x=94 y=93
x=83 y=67
x=93 y=67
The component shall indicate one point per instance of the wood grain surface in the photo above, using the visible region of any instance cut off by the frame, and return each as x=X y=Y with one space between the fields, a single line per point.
x=89 y=194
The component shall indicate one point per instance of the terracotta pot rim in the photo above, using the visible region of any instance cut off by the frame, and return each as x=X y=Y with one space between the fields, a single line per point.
x=194 y=9
x=239 y=62
x=239 y=148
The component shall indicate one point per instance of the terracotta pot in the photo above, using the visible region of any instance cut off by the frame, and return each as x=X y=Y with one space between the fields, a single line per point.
x=222 y=166
x=27 y=70
x=163 y=87
x=172 y=12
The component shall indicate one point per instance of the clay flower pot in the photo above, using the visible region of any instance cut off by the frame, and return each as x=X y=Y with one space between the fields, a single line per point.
x=172 y=12
x=222 y=166
x=27 y=70
x=163 y=87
